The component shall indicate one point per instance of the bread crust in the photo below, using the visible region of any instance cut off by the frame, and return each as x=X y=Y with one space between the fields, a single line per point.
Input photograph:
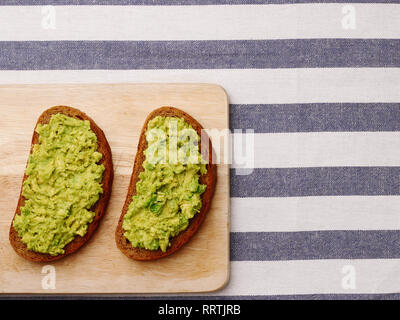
x=99 y=208
x=209 y=179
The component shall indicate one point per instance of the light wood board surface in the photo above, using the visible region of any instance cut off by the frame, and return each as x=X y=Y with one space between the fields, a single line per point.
x=99 y=267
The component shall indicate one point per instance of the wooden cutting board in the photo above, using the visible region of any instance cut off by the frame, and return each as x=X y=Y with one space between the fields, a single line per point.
x=99 y=267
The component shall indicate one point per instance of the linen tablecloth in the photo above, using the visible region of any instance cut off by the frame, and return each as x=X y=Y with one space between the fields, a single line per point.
x=317 y=81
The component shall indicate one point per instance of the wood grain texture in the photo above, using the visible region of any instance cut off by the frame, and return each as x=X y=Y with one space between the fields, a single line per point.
x=202 y=265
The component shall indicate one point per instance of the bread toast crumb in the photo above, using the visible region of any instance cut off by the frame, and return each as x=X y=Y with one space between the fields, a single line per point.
x=208 y=179
x=99 y=208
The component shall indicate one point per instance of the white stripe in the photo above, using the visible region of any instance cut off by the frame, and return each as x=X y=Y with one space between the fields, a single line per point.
x=371 y=276
x=312 y=277
x=315 y=213
x=299 y=150
x=199 y=22
x=247 y=85
x=317 y=149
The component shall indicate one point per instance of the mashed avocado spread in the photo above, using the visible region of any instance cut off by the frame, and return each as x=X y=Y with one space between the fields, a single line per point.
x=63 y=183
x=168 y=192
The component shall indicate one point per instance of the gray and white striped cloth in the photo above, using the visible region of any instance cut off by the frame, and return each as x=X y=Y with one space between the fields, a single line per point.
x=318 y=81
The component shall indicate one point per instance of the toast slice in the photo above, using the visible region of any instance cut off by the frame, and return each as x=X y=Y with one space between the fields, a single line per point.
x=99 y=208
x=209 y=179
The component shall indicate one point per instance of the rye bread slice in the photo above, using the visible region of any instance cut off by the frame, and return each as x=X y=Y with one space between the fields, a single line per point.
x=99 y=208
x=208 y=179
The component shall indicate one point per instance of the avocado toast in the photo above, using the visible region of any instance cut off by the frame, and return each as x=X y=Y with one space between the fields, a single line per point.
x=166 y=203
x=60 y=216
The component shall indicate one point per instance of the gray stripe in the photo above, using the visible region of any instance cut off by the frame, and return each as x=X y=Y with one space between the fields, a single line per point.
x=302 y=53
x=270 y=246
x=177 y=2
x=319 y=181
x=316 y=117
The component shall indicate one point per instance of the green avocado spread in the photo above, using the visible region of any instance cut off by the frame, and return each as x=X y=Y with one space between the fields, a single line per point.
x=168 y=192
x=63 y=183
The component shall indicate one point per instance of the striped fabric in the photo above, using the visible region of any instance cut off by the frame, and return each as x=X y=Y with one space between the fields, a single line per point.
x=318 y=82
